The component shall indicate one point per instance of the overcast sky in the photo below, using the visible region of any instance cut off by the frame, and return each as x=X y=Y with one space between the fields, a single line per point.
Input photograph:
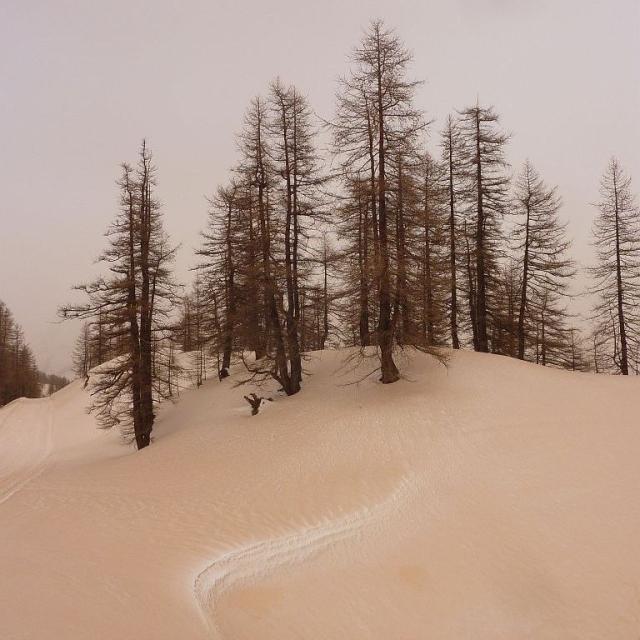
x=83 y=81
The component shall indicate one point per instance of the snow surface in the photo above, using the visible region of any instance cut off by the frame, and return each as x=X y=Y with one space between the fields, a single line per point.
x=490 y=499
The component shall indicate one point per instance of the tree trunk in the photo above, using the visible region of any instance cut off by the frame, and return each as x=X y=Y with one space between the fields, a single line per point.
x=427 y=292
x=481 y=300
x=257 y=339
x=325 y=299
x=472 y=292
x=146 y=372
x=389 y=371
x=525 y=284
x=227 y=347
x=624 y=361
x=455 y=342
x=363 y=243
x=290 y=250
x=134 y=332
x=402 y=306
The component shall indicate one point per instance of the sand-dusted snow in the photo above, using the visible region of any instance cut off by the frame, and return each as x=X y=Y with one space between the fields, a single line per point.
x=491 y=499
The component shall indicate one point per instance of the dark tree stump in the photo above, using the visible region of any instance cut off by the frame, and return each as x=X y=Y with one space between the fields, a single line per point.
x=254 y=401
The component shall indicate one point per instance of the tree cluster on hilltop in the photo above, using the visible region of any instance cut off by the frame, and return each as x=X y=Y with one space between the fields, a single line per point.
x=393 y=240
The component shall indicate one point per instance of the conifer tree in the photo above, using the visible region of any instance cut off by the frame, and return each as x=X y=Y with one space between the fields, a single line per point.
x=130 y=305
x=487 y=188
x=296 y=167
x=431 y=254
x=617 y=272
x=453 y=161
x=375 y=118
x=541 y=247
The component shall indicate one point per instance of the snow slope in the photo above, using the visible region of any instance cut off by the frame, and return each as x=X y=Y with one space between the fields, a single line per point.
x=491 y=499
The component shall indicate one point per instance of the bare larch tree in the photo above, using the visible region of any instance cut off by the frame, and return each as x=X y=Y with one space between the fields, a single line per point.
x=617 y=272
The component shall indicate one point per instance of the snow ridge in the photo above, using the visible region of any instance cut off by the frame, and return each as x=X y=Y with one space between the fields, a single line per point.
x=258 y=559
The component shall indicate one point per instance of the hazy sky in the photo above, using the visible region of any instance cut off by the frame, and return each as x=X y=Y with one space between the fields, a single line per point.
x=83 y=81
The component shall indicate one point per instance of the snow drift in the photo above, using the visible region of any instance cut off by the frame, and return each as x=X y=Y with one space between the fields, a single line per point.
x=490 y=499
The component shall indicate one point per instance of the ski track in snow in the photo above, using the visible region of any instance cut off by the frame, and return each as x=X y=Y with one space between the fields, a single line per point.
x=33 y=435
x=256 y=560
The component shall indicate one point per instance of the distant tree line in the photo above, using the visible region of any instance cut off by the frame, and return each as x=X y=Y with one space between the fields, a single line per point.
x=384 y=243
x=51 y=383
x=18 y=370
x=19 y=374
